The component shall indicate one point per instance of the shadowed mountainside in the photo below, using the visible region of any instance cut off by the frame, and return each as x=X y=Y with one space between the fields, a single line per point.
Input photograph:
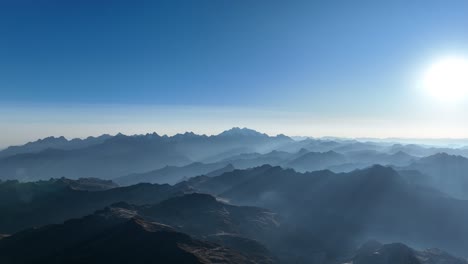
x=374 y=252
x=202 y=215
x=449 y=173
x=339 y=208
x=25 y=205
x=116 y=236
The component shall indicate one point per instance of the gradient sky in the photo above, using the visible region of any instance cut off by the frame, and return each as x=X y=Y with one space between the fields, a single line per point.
x=314 y=68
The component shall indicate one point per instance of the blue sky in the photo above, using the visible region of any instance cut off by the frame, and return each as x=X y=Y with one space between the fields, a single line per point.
x=326 y=65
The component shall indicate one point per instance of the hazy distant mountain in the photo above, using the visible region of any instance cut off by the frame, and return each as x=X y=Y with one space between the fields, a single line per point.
x=337 y=208
x=53 y=143
x=313 y=161
x=346 y=145
x=376 y=253
x=337 y=145
x=113 y=235
x=173 y=174
x=250 y=160
x=218 y=172
x=241 y=132
x=122 y=155
x=200 y=148
x=399 y=158
x=423 y=151
x=24 y=205
x=365 y=158
x=448 y=173
x=304 y=160
x=117 y=156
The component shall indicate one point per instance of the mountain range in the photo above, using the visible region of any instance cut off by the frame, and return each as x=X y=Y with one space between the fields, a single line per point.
x=237 y=197
x=372 y=203
x=149 y=157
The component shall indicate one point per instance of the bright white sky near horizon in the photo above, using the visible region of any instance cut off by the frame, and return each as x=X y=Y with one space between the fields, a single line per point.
x=300 y=68
x=93 y=120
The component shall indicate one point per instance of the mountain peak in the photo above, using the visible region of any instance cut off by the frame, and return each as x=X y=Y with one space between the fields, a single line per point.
x=52 y=139
x=237 y=131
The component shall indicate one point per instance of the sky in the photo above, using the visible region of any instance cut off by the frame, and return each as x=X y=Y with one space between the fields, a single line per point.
x=310 y=68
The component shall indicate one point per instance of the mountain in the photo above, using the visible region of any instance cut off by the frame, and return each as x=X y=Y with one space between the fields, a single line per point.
x=399 y=158
x=112 y=236
x=335 y=209
x=53 y=143
x=250 y=160
x=202 y=148
x=449 y=173
x=173 y=174
x=227 y=168
x=241 y=132
x=423 y=150
x=33 y=204
x=332 y=144
x=373 y=252
x=122 y=155
x=313 y=161
x=89 y=184
x=116 y=156
x=361 y=159
x=202 y=215
x=224 y=182
x=305 y=160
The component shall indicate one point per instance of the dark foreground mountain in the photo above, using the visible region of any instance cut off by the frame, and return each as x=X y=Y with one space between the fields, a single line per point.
x=242 y=228
x=376 y=253
x=112 y=236
x=335 y=210
x=24 y=205
x=89 y=184
x=202 y=215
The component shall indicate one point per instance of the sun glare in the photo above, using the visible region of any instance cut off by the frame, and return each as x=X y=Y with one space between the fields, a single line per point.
x=447 y=79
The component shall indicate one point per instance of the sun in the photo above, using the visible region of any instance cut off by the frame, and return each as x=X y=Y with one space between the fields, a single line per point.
x=447 y=79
